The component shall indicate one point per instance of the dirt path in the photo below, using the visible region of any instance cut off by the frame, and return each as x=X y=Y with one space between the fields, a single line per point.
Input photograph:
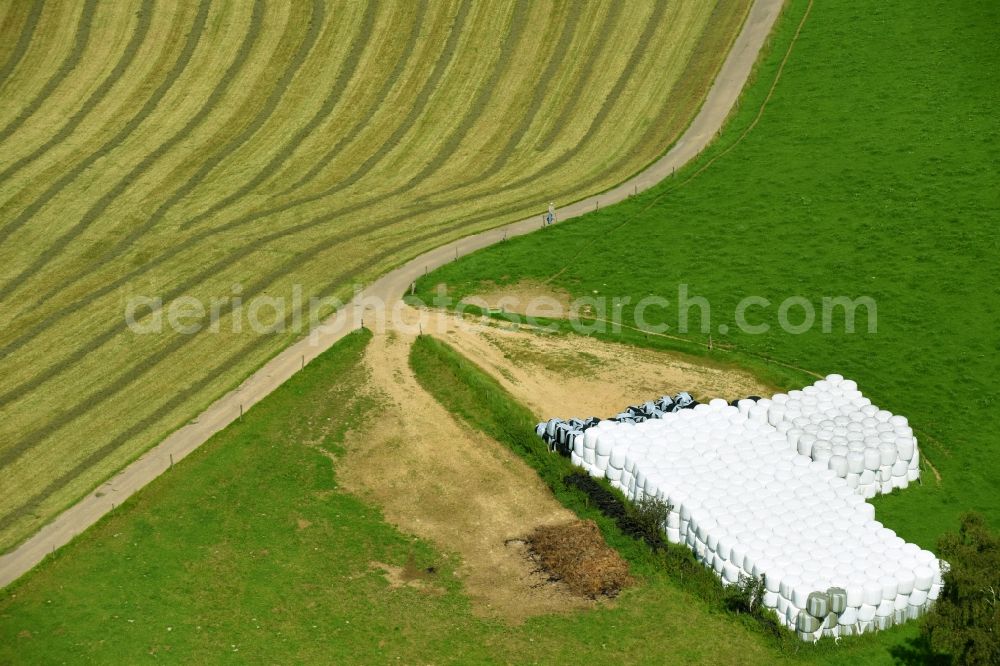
x=564 y=376
x=388 y=289
x=438 y=479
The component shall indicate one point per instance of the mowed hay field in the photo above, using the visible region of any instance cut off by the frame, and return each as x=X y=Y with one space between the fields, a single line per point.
x=872 y=171
x=263 y=149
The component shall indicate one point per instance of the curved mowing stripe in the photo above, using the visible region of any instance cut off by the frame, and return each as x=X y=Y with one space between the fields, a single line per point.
x=347 y=70
x=474 y=111
x=335 y=240
x=31 y=439
x=137 y=372
x=151 y=103
x=387 y=85
x=436 y=162
x=178 y=398
x=92 y=214
x=416 y=109
x=316 y=22
x=23 y=40
x=145 y=15
x=149 y=420
x=567 y=111
x=634 y=58
x=631 y=66
x=519 y=205
x=559 y=53
x=68 y=64
x=106 y=335
x=38 y=328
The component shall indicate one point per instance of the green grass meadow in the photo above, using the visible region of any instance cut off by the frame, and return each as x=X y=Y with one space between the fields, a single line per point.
x=872 y=172
x=247 y=550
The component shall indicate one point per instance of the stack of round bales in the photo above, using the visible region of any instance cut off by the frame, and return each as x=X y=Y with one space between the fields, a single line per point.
x=832 y=423
x=749 y=505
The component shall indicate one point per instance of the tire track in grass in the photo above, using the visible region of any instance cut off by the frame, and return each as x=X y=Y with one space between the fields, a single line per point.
x=99 y=396
x=68 y=64
x=23 y=40
x=316 y=22
x=347 y=70
x=95 y=211
x=151 y=103
x=145 y=18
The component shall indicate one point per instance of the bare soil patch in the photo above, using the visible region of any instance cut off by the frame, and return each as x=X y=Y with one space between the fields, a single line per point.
x=409 y=576
x=437 y=479
x=525 y=297
x=573 y=375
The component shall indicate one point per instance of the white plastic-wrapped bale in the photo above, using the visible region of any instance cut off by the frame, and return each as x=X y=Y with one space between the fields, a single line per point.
x=748 y=504
x=832 y=422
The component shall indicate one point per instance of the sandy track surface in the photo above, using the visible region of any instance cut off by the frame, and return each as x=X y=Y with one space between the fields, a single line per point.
x=438 y=479
x=564 y=376
x=719 y=102
x=469 y=494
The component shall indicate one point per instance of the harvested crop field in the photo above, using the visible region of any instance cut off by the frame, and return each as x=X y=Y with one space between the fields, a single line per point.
x=265 y=150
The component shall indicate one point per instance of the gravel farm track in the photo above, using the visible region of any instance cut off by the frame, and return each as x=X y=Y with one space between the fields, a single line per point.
x=149 y=160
